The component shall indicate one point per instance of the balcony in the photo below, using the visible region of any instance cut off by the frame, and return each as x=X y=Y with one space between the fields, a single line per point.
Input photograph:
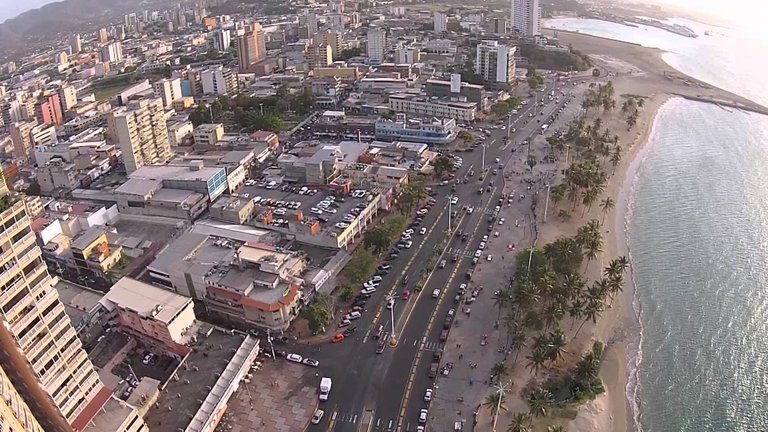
x=10 y=205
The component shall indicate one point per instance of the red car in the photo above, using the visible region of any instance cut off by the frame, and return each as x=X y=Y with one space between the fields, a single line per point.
x=406 y=294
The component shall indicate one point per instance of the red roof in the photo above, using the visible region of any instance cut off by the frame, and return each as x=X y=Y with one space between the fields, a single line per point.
x=91 y=409
x=261 y=135
x=39 y=224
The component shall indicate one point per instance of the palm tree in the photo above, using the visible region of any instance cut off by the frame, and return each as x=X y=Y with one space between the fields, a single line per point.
x=536 y=359
x=495 y=401
x=521 y=422
x=499 y=371
x=606 y=205
x=556 y=343
x=592 y=249
x=623 y=263
x=518 y=341
x=501 y=299
x=554 y=428
x=539 y=402
x=591 y=312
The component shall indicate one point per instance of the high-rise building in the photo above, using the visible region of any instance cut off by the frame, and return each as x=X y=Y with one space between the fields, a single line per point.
x=407 y=55
x=40 y=352
x=67 y=97
x=441 y=22
x=75 y=44
x=221 y=40
x=103 y=36
x=251 y=48
x=332 y=39
x=526 y=17
x=139 y=130
x=22 y=142
x=14 y=412
x=48 y=110
x=499 y=26
x=218 y=80
x=377 y=44
x=335 y=21
x=61 y=58
x=311 y=21
x=495 y=62
x=130 y=21
x=168 y=90
x=320 y=56
x=112 y=52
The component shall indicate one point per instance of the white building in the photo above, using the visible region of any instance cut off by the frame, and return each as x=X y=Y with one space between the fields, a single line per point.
x=140 y=131
x=377 y=44
x=441 y=22
x=112 y=52
x=218 y=80
x=407 y=55
x=168 y=90
x=221 y=40
x=495 y=62
x=526 y=17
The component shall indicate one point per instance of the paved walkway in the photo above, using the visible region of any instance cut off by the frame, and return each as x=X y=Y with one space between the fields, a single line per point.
x=281 y=397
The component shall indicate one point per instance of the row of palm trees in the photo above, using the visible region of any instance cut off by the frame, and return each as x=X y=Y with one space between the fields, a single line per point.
x=600 y=96
x=631 y=108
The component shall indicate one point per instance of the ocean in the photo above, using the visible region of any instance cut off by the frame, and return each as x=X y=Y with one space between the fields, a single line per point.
x=697 y=229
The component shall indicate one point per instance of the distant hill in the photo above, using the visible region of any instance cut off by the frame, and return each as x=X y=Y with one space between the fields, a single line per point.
x=60 y=18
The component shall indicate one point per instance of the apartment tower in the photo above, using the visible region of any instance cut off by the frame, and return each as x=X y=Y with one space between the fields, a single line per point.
x=377 y=44
x=139 y=130
x=40 y=352
x=526 y=17
x=75 y=44
x=495 y=62
x=251 y=48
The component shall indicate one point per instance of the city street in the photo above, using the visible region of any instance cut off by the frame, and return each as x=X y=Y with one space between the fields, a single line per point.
x=385 y=392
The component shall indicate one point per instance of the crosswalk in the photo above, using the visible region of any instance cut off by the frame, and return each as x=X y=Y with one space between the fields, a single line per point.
x=380 y=424
x=432 y=346
x=460 y=251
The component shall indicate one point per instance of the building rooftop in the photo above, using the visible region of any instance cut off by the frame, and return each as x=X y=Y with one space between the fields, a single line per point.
x=112 y=415
x=145 y=299
x=77 y=300
x=174 y=172
x=87 y=237
x=434 y=99
x=195 y=394
x=139 y=186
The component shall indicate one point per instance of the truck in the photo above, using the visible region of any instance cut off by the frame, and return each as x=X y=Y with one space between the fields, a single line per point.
x=325 y=388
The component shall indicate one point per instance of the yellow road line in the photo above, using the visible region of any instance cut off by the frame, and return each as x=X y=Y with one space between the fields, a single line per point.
x=412 y=375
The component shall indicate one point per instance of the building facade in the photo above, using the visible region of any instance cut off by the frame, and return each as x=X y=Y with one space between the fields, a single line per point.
x=218 y=80
x=526 y=17
x=168 y=90
x=429 y=107
x=377 y=44
x=495 y=62
x=440 y=22
x=141 y=133
x=251 y=48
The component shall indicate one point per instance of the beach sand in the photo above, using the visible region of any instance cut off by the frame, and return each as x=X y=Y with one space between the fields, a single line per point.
x=640 y=72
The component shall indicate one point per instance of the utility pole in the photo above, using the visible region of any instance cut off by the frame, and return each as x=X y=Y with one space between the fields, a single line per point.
x=392 y=337
x=567 y=150
x=530 y=257
x=450 y=209
x=501 y=391
x=546 y=204
x=483 y=169
x=272 y=347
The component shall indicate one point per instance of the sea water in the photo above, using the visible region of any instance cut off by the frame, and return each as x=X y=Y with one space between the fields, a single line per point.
x=697 y=230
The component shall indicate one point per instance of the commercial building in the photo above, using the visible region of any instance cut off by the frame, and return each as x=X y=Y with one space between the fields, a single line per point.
x=499 y=26
x=495 y=62
x=526 y=17
x=455 y=87
x=407 y=55
x=22 y=141
x=333 y=39
x=102 y=36
x=67 y=97
x=442 y=131
x=377 y=44
x=320 y=56
x=48 y=110
x=218 y=80
x=140 y=131
x=221 y=40
x=155 y=315
x=40 y=352
x=208 y=134
x=461 y=110
x=168 y=90
x=251 y=48
x=440 y=22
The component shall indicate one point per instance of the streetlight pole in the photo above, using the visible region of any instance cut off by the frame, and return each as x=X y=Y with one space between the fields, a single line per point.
x=483 y=156
x=261 y=109
x=567 y=151
x=271 y=347
x=450 y=210
x=530 y=257
x=392 y=338
x=509 y=124
x=546 y=204
x=500 y=390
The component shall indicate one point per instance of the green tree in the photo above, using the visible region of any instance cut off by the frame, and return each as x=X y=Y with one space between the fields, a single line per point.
x=410 y=196
x=539 y=401
x=531 y=161
x=346 y=293
x=521 y=422
x=442 y=165
x=360 y=267
x=377 y=239
x=317 y=317
x=596 y=73
x=553 y=428
x=499 y=372
x=607 y=204
x=466 y=136
x=494 y=401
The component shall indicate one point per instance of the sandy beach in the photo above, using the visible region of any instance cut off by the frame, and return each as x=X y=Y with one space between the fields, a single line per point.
x=639 y=71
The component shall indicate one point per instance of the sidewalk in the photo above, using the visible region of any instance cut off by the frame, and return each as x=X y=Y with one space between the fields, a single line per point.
x=472 y=383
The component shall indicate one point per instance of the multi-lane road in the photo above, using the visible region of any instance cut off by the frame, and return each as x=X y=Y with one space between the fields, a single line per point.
x=385 y=392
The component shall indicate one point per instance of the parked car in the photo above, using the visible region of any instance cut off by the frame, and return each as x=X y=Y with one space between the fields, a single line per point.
x=294 y=358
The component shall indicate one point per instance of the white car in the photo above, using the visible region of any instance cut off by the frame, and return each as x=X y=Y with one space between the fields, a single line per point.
x=436 y=293
x=478 y=253
x=489 y=257
x=455 y=200
x=294 y=358
x=342 y=225
x=408 y=244
x=423 y=230
x=470 y=210
x=376 y=278
x=370 y=284
x=316 y=211
x=405 y=237
x=368 y=290
x=422 y=212
x=317 y=416
x=423 y=416
x=485 y=238
x=428 y=395
x=409 y=231
x=501 y=221
x=391 y=303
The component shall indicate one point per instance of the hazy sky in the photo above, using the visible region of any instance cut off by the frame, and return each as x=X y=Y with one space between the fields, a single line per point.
x=12 y=8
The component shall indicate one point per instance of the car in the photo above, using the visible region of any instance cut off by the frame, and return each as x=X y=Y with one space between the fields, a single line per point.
x=470 y=209
x=370 y=284
x=405 y=237
x=423 y=230
x=406 y=295
x=423 y=414
x=380 y=346
x=463 y=289
x=501 y=221
x=310 y=362
x=408 y=244
x=345 y=323
x=147 y=358
x=341 y=225
x=481 y=246
x=338 y=337
x=391 y=303
x=489 y=257
x=405 y=280
x=478 y=253
x=409 y=231
x=485 y=238
x=317 y=416
x=352 y=316
x=368 y=290
x=455 y=258
x=455 y=200
x=385 y=267
x=422 y=212
x=436 y=293
x=296 y=358
x=349 y=331
x=428 y=395
x=376 y=278
x=381 y=273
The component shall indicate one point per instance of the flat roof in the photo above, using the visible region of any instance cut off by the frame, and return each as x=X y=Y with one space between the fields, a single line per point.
x=211 y=368
x=139 y=186
x=174 y=172
x=144 y=299
x=255 y=254
x=112 y=415
x=176 y=196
